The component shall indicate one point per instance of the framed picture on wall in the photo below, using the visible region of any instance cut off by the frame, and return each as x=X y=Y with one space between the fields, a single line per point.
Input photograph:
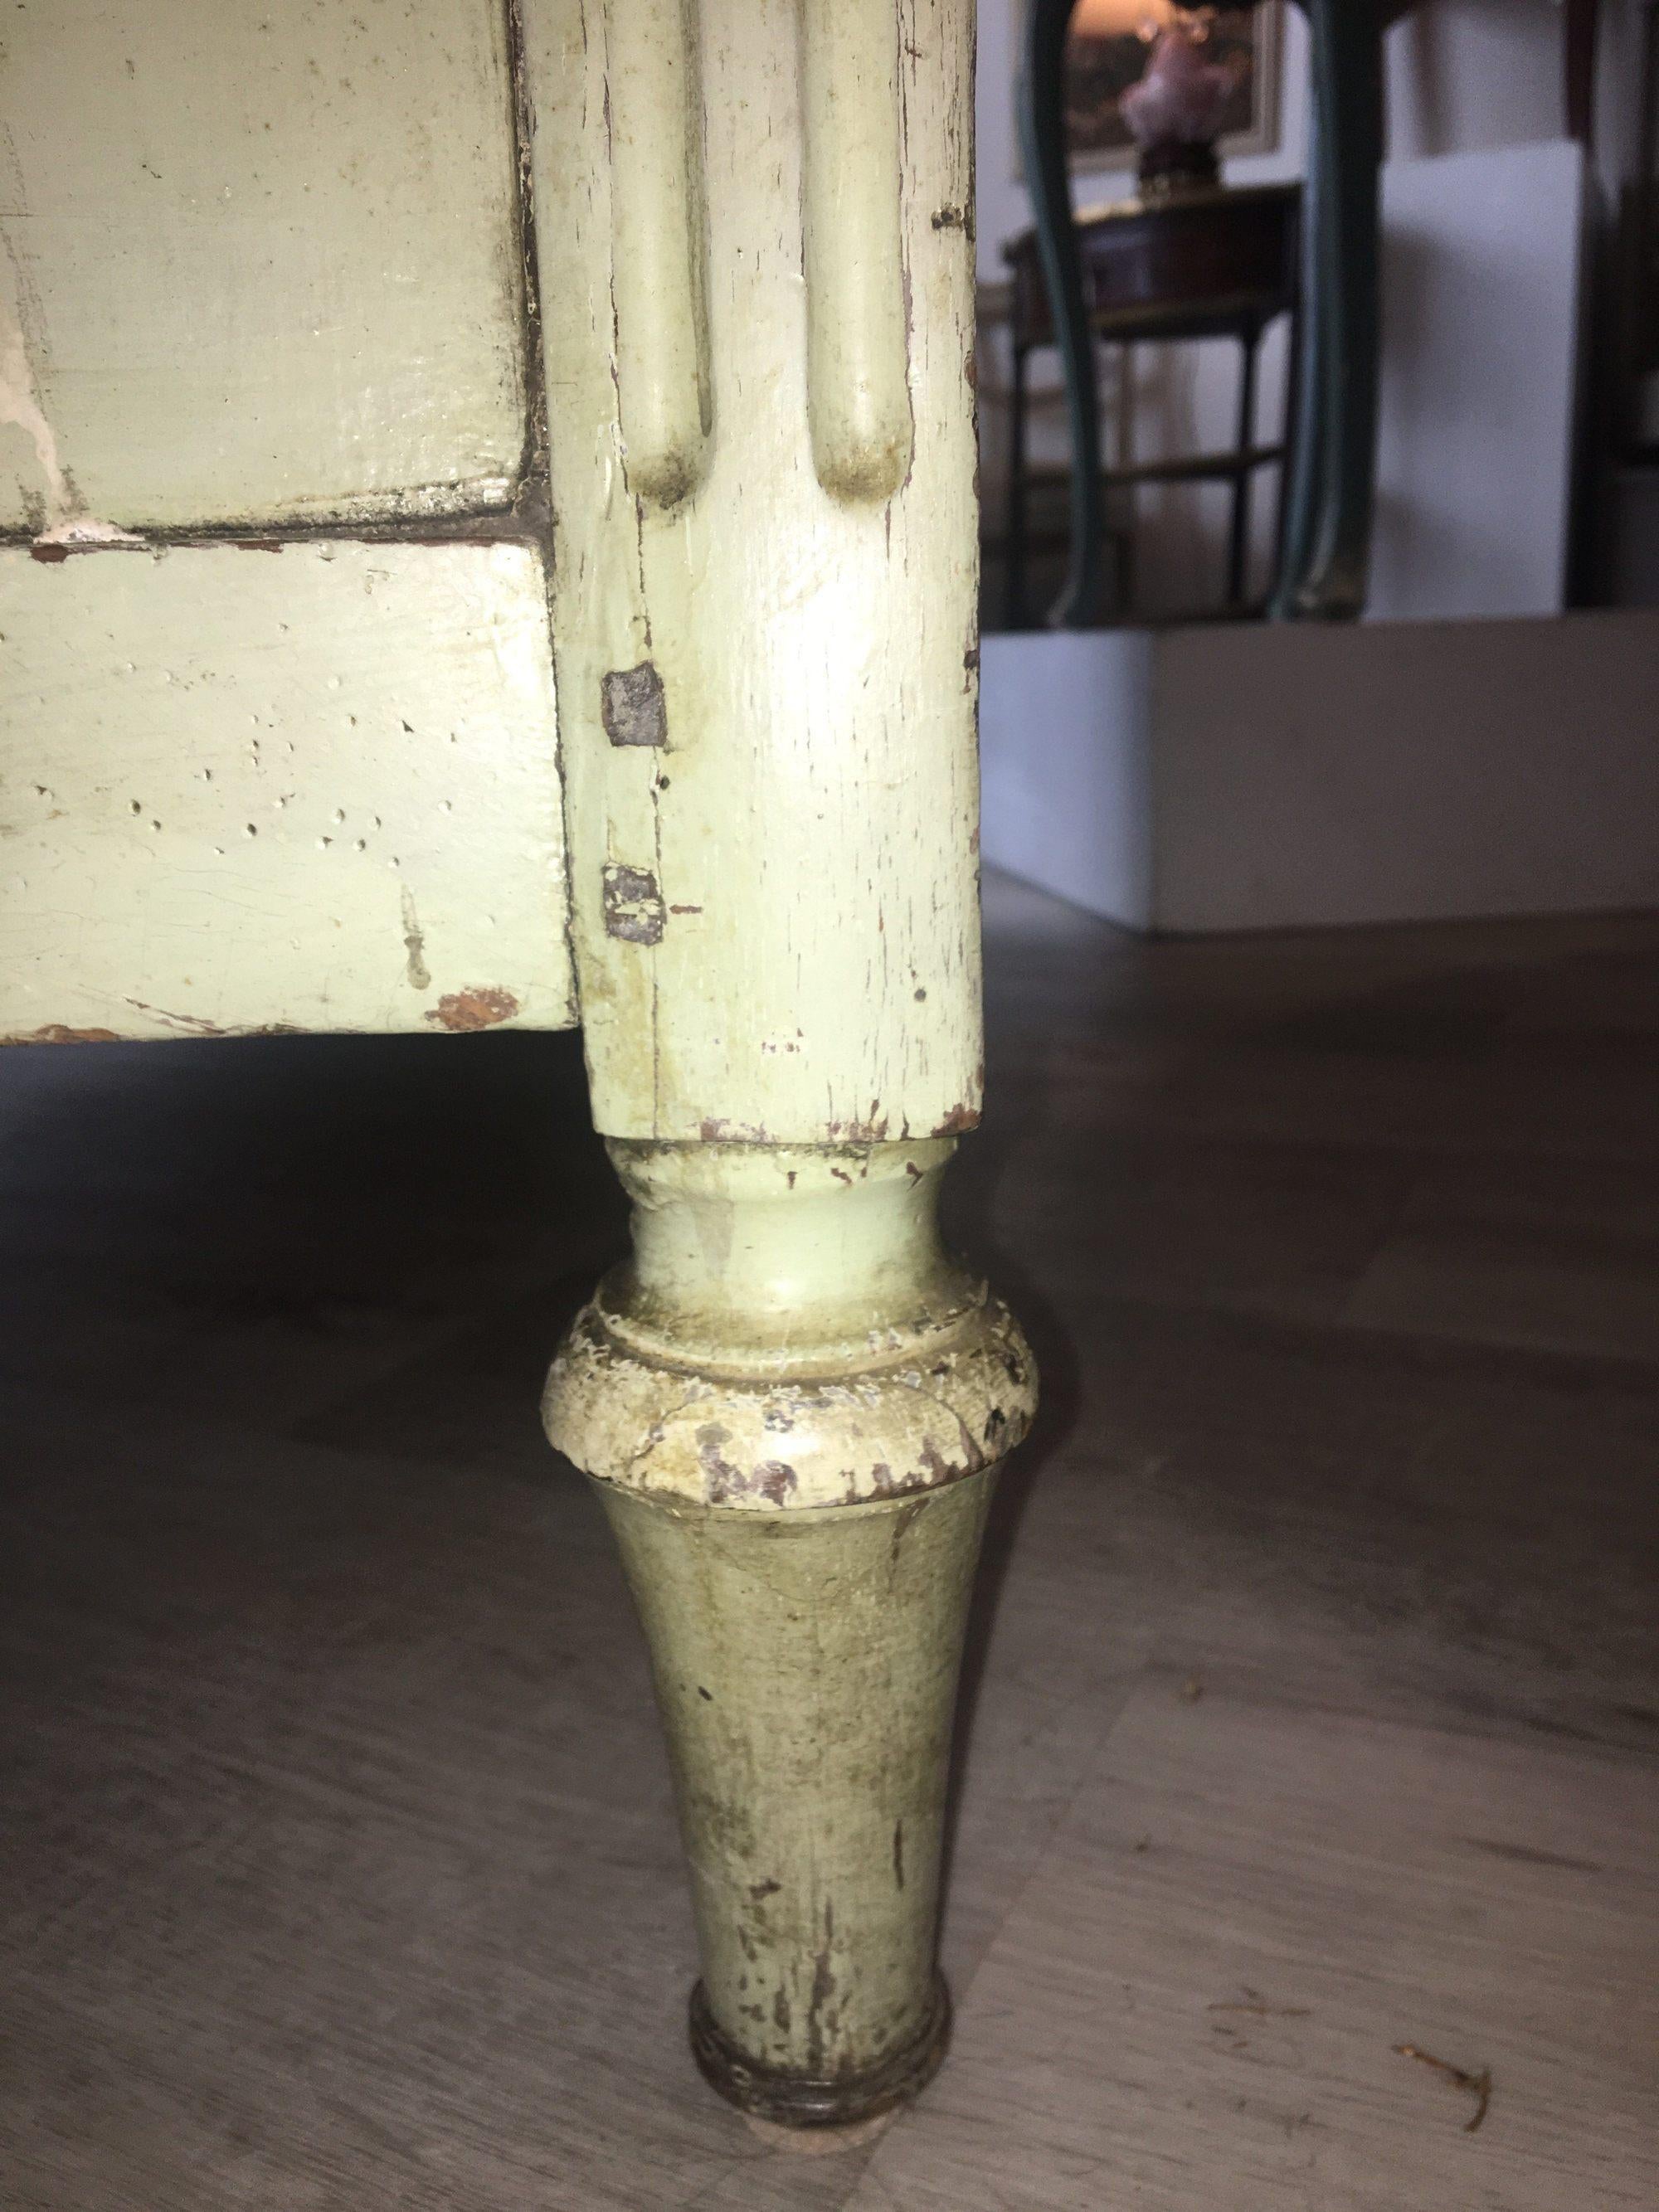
x=1107 y=51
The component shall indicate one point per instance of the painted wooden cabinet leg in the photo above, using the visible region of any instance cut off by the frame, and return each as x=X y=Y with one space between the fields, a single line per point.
x=793 y=1404
x=806 y=1665
x=754 y=231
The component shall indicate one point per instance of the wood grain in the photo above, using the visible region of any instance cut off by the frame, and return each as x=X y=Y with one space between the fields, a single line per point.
x=1200 y=1999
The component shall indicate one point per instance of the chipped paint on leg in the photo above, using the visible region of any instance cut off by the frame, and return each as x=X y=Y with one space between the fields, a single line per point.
x=479 y=1008
x=633 y=707
x=634 y=909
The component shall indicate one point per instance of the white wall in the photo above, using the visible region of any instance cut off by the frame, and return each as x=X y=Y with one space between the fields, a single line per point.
x=1065 y=766
x=1481 y=355
x=1466 y=76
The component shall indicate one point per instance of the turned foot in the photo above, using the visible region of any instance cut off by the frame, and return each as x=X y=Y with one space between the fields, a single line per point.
x=792 y=1403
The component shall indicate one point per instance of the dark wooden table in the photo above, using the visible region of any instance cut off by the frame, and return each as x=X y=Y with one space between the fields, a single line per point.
x=1202 y=265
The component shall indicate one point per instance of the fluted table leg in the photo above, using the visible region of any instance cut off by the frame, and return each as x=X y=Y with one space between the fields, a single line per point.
x=755 y=237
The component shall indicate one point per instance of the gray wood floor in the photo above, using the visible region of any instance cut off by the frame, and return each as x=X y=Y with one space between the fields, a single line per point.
x=1312 y=1703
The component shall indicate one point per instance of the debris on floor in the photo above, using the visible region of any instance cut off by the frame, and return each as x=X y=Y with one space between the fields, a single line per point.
x=1478 y=2085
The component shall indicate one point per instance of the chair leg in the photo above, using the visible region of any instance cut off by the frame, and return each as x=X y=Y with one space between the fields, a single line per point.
x=1239 y=543
x=1015 y=606
x=1042 y=104
x=1289 y=435
x=1333 y=466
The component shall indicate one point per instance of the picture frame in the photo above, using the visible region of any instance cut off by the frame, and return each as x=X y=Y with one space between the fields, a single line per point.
x=1098 y=140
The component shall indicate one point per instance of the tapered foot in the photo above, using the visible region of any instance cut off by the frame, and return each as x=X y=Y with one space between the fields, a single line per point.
x=794 y=1404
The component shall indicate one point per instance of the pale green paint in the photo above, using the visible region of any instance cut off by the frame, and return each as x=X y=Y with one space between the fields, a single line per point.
x=316 y=788
x=808 y=823
x=857 y=346
x=788 y=1334
x=659 y=274
x=806 y=1664
x=320 y=788
x=260 y=262
x=791 y=1399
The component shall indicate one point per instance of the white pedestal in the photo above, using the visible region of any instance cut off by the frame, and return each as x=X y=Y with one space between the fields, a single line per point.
x=1279 y=776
